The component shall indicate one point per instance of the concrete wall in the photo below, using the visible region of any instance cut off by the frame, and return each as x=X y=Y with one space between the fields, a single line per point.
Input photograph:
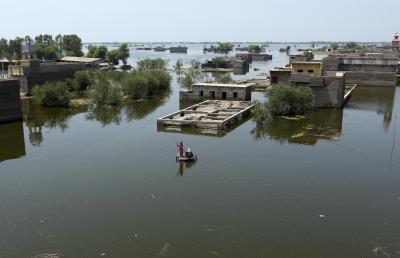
x=371 y=78
x=316 y=68
x=328 y=92
x=280 y=76
x=10 y=103
x=243 y=93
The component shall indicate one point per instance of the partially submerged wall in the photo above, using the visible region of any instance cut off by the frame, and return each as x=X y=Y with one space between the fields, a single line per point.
x=10 y=103
x=371 y=78
x=328 y=91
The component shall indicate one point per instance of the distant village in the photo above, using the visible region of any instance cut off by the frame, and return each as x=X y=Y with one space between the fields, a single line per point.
x=331 y=80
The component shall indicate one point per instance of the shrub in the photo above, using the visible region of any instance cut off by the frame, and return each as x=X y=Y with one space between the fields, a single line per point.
x=105 y=91
x=151 y=64
x=55 y=94
x=284 y=100
x=82 y=81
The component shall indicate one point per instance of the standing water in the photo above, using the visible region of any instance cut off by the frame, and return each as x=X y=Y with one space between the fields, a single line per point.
x=96 y=183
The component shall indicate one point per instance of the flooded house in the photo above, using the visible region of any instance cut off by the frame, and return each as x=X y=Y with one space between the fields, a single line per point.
x=10 y=103
x=203 y=91
x=178 y=50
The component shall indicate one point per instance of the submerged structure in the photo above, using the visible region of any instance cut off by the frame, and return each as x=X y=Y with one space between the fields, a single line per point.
x=203 y=91
x=210 y=114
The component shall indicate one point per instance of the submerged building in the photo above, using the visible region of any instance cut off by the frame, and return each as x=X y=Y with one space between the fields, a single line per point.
x=203 y=91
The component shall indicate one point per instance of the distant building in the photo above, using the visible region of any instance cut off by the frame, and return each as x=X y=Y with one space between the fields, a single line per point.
x=182 y=50
x=203 y=91
x=396 y=42
x=88 y=61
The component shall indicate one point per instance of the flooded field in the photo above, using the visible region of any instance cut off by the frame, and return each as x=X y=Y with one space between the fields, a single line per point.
x=104 y=182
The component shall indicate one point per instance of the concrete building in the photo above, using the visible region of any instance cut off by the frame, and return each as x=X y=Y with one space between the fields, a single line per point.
x=396 y=43
x=307 y=56
x=280 y=75
x=371 y=69
x=309 y=68
x=87 y=61
x=10 y=103
x=204 y=91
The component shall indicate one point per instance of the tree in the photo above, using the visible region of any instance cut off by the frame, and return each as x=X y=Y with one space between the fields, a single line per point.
x=97 y=51
x=151 y=64
x=15 y=48
x=113 y=57
x=254 y=48
x=224 y=48
x=72 y=45
x=334 y=46
x=124 y=53
x=353 y=45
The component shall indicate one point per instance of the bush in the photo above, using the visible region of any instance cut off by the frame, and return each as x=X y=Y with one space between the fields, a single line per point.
x=82 y=81
x=105 y=91
x=284 y=100
x=151 y=64
x=55 y=94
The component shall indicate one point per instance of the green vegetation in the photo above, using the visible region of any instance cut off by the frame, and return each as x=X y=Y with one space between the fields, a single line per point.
x=103 y=88
x=55 y=94
x=114 y=56
x=178 y=64
x=284 y=100
x=152 y=64
x=254 y=48
x=353 y=45
x=196 y=64
x=223 y=48
x=105 y=91
x=334 y=46
x=97 y=51
x=46 y=47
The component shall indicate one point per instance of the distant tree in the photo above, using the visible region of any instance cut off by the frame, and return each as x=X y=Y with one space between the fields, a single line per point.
x=124 y=53
x=151 y=64
x=178 y=64
x=196 y=64
x=60 y=45
x=334 y=46
x=14 y=50
x=3 y=48
x=254 y=48
x=113 y=57
x=72 y=45
x=353 y=45
x=101 y=52
x=224 y=48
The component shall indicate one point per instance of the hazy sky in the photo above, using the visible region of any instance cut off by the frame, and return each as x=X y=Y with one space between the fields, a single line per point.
x=203 y=20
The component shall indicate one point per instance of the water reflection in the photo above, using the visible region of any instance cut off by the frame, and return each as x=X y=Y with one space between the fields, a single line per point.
x=184 y=166
x=308 y=129
x=12 y=141
x=37 y=117
x=378 y=99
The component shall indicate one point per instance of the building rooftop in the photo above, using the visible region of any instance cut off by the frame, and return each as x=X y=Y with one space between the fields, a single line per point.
x=224 y=85
x=312 y=62
x=76 y=59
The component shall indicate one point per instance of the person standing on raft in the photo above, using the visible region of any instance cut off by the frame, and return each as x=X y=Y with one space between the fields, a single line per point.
x=180 y=149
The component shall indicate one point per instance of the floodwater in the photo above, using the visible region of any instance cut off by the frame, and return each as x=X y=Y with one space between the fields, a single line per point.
x=104 y=183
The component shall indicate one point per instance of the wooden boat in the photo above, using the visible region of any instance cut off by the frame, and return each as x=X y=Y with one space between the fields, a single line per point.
x=186 y=158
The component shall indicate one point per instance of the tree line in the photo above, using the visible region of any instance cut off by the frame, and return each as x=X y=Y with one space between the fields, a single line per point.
x=47 y=47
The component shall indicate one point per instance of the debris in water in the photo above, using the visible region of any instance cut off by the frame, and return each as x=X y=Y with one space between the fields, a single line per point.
x=153 y=196
x=214 y=253
x=164 y=250
x=103 y=254
x=380 y=250
x=47 y=256
x=322 y=216
x=42 y=221
x=210 y=230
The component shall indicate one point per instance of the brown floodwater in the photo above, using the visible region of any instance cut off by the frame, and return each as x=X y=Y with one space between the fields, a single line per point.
x=104 y=182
